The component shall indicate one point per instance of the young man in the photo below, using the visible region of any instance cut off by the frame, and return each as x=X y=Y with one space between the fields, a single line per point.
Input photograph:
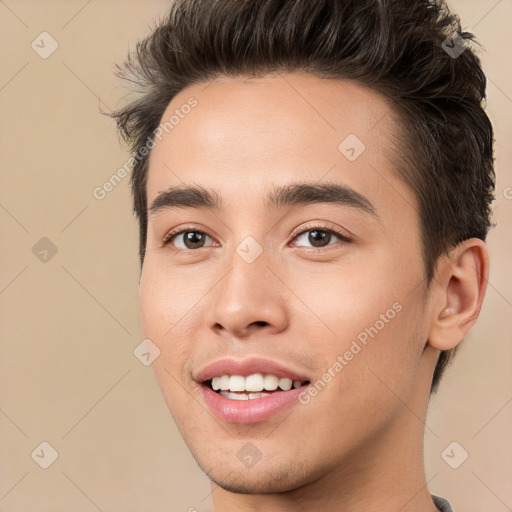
x=313 y=181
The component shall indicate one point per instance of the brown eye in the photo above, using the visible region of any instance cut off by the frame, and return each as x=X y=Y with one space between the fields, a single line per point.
x=189 y=239
x=320 y=237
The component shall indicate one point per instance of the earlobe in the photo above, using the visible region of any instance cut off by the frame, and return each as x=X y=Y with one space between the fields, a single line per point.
x=461 y=282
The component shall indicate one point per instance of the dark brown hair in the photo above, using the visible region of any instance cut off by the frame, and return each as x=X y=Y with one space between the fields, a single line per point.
x=403 y=49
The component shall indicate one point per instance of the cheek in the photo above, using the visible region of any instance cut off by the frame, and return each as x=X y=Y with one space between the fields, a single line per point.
x=373 y=319
x=168 y=300
x=388 y=350
x=352 y=296
x=168 y=319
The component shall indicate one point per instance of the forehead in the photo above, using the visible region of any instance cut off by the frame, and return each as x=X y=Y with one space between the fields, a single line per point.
x=243 y=134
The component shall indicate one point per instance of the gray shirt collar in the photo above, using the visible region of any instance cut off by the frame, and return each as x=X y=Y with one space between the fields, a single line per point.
x=441 y=504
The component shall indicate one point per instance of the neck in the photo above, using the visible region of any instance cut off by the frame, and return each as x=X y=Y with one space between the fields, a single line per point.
x=387 y=475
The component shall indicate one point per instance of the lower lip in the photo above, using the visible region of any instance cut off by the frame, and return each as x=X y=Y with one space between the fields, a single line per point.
x=249 y=411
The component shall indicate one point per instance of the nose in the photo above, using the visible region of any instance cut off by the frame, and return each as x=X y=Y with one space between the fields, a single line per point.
x=249 y=299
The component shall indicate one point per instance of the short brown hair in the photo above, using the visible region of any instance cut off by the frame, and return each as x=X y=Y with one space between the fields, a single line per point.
x=399 y=48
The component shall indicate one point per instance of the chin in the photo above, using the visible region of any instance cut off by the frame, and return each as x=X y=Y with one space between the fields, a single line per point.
x=263 y=478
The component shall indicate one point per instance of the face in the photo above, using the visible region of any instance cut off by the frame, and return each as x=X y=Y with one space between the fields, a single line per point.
x=323 y=286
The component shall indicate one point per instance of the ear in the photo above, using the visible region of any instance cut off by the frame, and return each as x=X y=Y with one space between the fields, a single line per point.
x=458 y=292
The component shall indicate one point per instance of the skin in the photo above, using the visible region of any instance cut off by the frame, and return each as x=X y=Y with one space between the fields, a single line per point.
x=358 y=444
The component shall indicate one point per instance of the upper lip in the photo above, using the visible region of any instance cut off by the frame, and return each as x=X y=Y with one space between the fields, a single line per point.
x=245 y=367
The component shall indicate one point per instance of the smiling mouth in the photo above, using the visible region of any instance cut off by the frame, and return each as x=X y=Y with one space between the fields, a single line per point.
x=237 y=387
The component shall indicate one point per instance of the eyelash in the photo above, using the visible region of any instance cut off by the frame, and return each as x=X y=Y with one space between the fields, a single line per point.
x=325 y=228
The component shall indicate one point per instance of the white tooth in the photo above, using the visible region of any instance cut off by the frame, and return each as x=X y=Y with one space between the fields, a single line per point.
x=224 y=382
x=234 y=396
x=237 y=383
x=285 y=384
x=270 y=382
x=296 y=384
x=257 y=395
x=215 y=383
x=254 y=382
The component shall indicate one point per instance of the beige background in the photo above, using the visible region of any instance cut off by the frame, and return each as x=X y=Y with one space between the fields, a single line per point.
x=68 y=375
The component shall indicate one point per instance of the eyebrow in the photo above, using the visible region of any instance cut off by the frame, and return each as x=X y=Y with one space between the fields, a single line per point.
x=279 y=196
